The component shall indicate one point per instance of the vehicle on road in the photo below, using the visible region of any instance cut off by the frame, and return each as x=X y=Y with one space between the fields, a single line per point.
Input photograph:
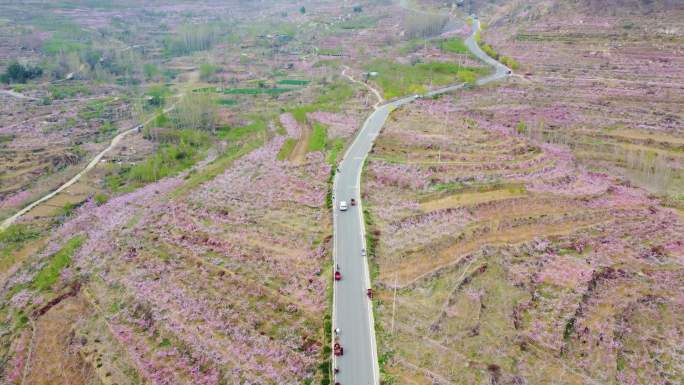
x=343 y=206
x=338 y=275
x=338 y=349
x=369 y=293
x=363 y=252
x=353 y=202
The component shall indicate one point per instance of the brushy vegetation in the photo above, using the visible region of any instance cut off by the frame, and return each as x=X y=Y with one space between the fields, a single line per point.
x=454 y=45
x=286 y=149
x=335 y=146
x=65 y=91
x=192 y=38
x=424 y=25
x=318 y=138
x=331 y=98
x=179 y=150
x=208 y=72
x=361 y=22
x=15 y=236
x=258 y=125
x=100 y=199
x=197 y=112
x=49 y=274
x=489 y=50
x=19 y=73
x=398 y=79
x=412 y=45
x=157 y=94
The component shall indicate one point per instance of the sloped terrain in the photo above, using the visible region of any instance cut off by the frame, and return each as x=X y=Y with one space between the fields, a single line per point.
x=608 y=84
x=503 y=260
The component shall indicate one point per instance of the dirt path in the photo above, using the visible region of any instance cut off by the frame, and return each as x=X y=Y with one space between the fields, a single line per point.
x=377 y=93
x=7 y=222
x=301 y=148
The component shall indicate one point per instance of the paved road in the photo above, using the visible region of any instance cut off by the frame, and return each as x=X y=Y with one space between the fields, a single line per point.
x=352 y=310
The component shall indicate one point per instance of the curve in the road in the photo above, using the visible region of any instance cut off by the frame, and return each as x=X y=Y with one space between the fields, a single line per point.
x=352 y=310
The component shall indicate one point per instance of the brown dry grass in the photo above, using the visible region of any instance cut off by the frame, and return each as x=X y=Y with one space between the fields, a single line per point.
x=407 y=270
x=298 y=154
x=470 y=198
x=55 y=360
x=77 y=193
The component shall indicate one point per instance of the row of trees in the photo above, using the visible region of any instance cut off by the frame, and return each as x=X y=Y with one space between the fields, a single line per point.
x=648 y=167
x=192 y=38
x=424 y=25
x=198 y=111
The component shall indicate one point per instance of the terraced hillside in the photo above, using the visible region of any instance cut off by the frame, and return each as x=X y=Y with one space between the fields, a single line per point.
x=606 y=82
x=190 y=287
x=500 y=259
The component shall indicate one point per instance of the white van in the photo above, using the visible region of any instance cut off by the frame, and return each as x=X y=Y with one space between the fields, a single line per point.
x=343 y=206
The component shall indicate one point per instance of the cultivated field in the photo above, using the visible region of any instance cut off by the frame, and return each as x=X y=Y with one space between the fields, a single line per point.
x=503 y=259
x=526 y=232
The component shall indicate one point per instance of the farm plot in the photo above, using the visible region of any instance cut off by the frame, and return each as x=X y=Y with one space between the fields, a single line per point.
x=502 y=259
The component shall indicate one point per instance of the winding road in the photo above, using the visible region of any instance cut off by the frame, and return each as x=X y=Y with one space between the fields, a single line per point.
x=352 y=310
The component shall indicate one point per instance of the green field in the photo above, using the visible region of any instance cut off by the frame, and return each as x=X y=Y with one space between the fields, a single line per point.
x=237 y=133
x=227 y=102
x=293 y=82
x=49 y=274
x=398 y=79
x=318 y=137
x=331 y=98
x=454 y=45
x=256 y=91
x=286 y=149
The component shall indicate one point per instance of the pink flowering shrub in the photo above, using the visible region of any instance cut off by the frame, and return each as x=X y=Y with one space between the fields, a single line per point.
x=228 y=275
x=15 y=200
x=565 y=271
x=291 y=126
x=559 y=261
x=397 y=175
x=339 y=124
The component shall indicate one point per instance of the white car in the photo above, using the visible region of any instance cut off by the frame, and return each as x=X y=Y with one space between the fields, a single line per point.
x=343 y=206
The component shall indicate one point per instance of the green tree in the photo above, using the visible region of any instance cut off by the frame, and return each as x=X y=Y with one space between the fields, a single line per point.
x=157 y=93
x=150 y=71
x=198 y=112
x=19 y=73
x=207 y=71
